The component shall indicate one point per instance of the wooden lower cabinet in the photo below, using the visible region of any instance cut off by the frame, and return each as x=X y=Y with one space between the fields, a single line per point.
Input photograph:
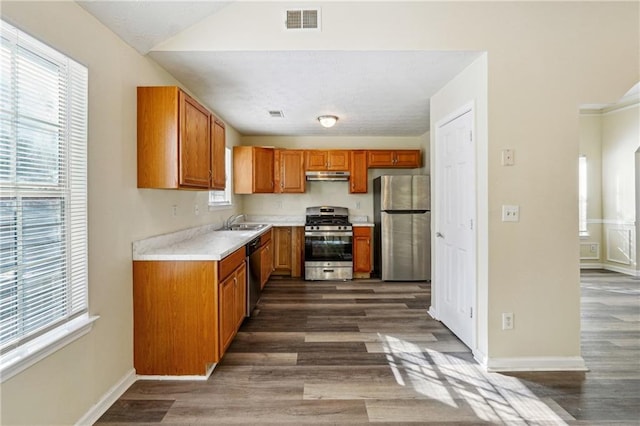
x=361 y=252
x=186 y=313
x=175 y=317
x=266 y=258
x=232 y=305
x=288 y=251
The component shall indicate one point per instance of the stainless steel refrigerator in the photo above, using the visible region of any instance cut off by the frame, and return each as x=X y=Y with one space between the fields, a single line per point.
x=402 y=216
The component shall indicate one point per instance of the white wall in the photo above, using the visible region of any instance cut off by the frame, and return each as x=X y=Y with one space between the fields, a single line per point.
x=64 y=386
x=330 y=193
x=610 y=138
x=620 y=140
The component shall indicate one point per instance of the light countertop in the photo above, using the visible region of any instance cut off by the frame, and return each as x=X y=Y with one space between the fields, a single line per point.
x=203 y=243
x=211 y=243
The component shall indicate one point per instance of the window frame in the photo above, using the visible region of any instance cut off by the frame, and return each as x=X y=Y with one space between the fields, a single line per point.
x=227 y=202
x=23 y=180
x=583 y=196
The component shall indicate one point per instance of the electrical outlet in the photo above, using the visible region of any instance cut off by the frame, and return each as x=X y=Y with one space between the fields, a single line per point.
x=593 y=248
x=196 y=209
x=279 y=205
x=358 y=205
x=174 y=210
x=507 y=321
x=510 y=213
x=507 y=157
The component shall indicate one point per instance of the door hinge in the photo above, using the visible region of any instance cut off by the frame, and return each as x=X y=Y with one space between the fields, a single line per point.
x=471 y=224
x=470 y=312
x=470 y=136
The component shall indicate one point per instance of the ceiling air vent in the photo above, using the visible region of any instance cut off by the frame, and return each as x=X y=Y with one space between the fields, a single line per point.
x=303 y=19
x=276 y=114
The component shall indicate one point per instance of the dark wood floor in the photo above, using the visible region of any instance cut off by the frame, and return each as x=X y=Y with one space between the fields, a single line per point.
x=366 y=352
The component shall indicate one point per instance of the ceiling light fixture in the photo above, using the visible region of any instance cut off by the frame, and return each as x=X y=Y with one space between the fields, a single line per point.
x=327 y=120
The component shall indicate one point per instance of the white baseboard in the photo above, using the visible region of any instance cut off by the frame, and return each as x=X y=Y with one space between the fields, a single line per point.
x=592 y=266
x=108 y=399
x=622 y=270
x=571 y=363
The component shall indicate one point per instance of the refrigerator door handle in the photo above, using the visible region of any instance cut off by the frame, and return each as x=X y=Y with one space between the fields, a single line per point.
x=439 y=235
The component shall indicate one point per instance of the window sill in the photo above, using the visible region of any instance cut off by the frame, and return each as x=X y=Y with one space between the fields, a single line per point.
x=584 y=235
x=213 y=207
x=23 y=357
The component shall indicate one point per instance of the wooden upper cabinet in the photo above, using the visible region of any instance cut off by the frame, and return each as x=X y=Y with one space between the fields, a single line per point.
x=404 y=158
x=358 y=181
x=174 y=140
x=317 y=160
x=289 y=171
x=194 y=142
x=218 y=145
x=253 y=170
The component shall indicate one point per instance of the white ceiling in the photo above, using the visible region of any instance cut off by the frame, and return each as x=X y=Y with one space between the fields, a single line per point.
x=374 y=93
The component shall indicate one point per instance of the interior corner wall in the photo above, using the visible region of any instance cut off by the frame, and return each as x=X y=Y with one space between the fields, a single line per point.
x=620 y=139
x=64 y=387
x=591 y=148
x=467 y=88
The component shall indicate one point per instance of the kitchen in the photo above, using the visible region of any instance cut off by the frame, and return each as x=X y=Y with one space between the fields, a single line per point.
x=100 y=363
x=326 y=253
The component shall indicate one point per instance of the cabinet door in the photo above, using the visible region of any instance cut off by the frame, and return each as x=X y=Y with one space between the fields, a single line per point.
x=362 y=249
x=316 y=160
x=195 y=143
x=240 y=296
x=408 y=158
x=282 y=250
x=338 y=160
x=263 y=170
x=227 y=311
x=218 y=145
x=266 y=264
x=381 y=158
x=291 y=167
x=358 y=182
x=157 y=137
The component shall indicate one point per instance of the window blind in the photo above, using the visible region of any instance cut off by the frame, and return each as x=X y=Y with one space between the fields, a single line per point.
x=223 y=198
x=43 y=188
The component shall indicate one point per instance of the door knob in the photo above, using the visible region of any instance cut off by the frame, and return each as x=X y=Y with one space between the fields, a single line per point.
x=439 y=235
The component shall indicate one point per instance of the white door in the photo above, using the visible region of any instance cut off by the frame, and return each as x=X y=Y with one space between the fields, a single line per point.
x=455 y=261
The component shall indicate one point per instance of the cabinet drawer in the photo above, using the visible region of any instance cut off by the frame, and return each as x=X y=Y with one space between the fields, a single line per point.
x=231 y=262
x=265 y=238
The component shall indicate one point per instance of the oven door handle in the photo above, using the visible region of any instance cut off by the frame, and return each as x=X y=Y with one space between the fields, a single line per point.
x=328 y=234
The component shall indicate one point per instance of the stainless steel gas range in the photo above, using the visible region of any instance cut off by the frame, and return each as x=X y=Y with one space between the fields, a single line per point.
x=328 y=244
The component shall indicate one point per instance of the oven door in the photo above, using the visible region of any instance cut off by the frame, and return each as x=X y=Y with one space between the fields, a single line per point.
x=328 y=246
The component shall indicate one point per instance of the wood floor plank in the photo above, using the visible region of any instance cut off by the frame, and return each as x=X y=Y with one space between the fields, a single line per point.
x=362 y=352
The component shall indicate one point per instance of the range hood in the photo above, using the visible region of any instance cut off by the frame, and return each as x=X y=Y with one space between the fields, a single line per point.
x=328 y=175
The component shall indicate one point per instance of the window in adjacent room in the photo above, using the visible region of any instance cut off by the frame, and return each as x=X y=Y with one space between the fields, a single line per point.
x=43 y=200
x=223 y=198
x=582 y=195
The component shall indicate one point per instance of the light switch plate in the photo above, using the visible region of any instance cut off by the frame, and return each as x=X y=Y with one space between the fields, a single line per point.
x=510 y=213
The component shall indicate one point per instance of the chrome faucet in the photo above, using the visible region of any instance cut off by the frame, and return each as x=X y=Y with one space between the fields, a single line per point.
x=231 y=220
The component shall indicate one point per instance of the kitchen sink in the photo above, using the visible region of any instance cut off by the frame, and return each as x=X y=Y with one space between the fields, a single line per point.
x=248 y=226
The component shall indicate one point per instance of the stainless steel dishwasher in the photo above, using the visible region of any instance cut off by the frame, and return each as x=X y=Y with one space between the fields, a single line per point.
x=253 y=274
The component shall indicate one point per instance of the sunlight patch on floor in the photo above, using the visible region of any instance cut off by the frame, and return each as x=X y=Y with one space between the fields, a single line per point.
x=449 y=380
